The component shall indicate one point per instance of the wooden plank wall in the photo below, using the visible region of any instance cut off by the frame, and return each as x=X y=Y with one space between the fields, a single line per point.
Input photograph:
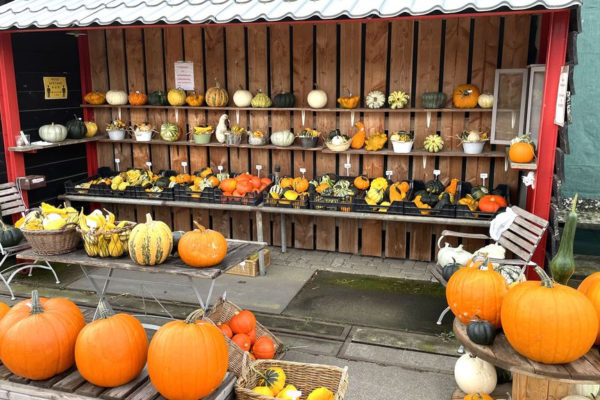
x=413 y=56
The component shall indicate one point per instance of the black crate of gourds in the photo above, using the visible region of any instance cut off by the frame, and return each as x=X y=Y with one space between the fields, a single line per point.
x=475 y=194
x=184 y=193
x=390 y=201
x=333 y=193
x=432 y=199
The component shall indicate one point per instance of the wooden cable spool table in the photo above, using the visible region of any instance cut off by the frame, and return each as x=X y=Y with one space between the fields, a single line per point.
x=533 y=380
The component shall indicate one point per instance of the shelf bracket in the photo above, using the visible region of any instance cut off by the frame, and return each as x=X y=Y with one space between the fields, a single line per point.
x=505 y=164
x=428 y=119
x=119 y=112
x=351 y=118
x=177 y=116
x=303 y=117
x=513 y=119
x=424 y=162
x=117 y=162
x=237 y=117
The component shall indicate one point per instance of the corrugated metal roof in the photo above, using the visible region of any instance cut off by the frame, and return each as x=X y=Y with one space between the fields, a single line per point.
x=71 y=13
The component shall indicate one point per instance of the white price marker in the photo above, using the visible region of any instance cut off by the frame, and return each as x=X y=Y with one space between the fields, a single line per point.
x=389 y=173
x=258 y=168
x=117 y=161
x=184 y=164
x=436 y=172
x=303 y=171
x=220 y=168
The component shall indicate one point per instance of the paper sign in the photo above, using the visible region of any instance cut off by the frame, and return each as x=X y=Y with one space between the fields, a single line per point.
x=55 y=87
x=561 y=98
x=184 y=75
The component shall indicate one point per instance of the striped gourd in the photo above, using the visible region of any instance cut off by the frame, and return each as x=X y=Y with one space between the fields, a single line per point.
x=216 y=96
x=150 y=243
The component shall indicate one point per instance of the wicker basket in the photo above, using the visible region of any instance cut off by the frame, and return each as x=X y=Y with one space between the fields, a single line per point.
x=338 y=147
x=305 y=377
x=96 y=243
x=221 y=313
x=50 y=243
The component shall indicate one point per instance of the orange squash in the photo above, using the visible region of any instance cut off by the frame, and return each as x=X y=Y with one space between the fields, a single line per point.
x=228 y=185
x=361 y=182
x=286 y=183
x=4 y=308
x=137 y=98
x=465 y=96
x=472 y=291
x=226 y=330
x=264 y=348
x=521 y=152
x=492 y=203
x=592 y=292
x=358 y=140
x=242 y=340
x=242 y=322
x=588 y=282
x=300 y=184
x=202 y=247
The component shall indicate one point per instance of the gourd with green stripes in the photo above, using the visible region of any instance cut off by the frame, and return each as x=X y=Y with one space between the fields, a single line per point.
x=150 y=243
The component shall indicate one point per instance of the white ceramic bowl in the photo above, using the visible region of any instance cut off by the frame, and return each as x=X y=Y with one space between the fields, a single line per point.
x=143 y=136
x=473 y=147
x=116 y=134
x=402 y=147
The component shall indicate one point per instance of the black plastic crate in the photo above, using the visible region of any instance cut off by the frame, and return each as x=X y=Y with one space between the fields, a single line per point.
x=463 y=211
x=410 y=208
x=333 y=203
x=249 y=199
x=71 y=189
x=397 y=207
x=141 y=193
x=301 y=202
x=183 y=193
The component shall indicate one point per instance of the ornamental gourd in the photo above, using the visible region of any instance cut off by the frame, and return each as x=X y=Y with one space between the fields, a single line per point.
x=264 y=348
x=316 y=98
x=375 y=99
x=37 y=336
x=242 y=340
x=474 y=375
x=9 y=235
x=176 y=97
x=91 y=128
x=116 y=97
x=562 y=265
x=358 y=140
x=361 y=182
x=157 y=98
x=76 y=128
x=242 y=322
x=348 y=101
x=472 y=291
x=274 y=379
x=187 y=360
x=216 y=96
x=284 y=100
x=202 y=247
x=261 y=100
x=150 y=243
x=563 y=332
x=486 y=100
x=242 y=97
x=492 y=203
x=465 y=96
x=433 y=143
x=170 y=132
x=111 y=350
x=478 y=396
x=53 y=133
x=95 y=98
x=137 y=98
x=480 y=331
x=194 y=99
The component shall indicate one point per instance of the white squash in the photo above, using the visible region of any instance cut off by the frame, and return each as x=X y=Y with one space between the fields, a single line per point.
x=448 y=254
x=53 y=132
x=474 y=375
x=577 y=397
x=242 y=98
x=317 y=98
x=492 y=251
x=116 y=97
x=586 y=389
x=485 y=100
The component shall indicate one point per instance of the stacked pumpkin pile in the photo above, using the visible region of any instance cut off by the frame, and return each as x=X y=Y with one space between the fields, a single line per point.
x=241 y=329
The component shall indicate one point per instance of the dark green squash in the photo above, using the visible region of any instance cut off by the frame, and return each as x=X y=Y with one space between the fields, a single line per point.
x=562 y=265
x=434 y=186
x=449 y=269
x=503 y=375
x=9 y=235
x=158 y=98
x=76 y=129
x=176 y=237
x=162 y=182
x=479 y=191
x=444 y=200
x=427 y=198
x=284 y=100
x=480 y=331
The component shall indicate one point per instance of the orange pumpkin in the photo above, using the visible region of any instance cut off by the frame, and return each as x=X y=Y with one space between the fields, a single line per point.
x=242 y=340
x=252 y=336
x=471 y=291
x=187 y=360
x=216 y=96
x=361 y=182
x=111 y=350
x=264 y=348
x=358 y=140
x=242 y=322
x=549 y=322
x=465 y=96
x=37 y=336
x=214 y=181
x=4 y=308
x=228 y=185
x=255 y=181
x=137 y=98
x=592 y=292
x=300 y=184
x=194 y=100
x=202 y=247
x=521 y=152
x=286 y=183
x=491 y=203
x=244 y=187
x=265 y=181
x=588 y=282
x=226 y=330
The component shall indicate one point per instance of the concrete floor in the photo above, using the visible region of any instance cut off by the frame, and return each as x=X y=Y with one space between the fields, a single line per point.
x=419 y=365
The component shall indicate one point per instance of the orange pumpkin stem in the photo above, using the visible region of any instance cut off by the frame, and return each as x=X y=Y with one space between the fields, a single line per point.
x=200 y=227
x=194 y=315
x=36 y=306
x=546 y=280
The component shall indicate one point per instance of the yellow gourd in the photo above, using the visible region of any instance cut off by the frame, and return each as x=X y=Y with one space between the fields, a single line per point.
x=321 y=393
x=420 y=204
x=376 y=141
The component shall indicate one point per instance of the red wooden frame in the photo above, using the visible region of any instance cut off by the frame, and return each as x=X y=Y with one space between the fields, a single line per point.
x=9 y=110
x=86 y=87
x=556 y=51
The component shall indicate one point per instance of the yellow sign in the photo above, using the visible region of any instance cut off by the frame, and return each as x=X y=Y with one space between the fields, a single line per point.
x=55 y=87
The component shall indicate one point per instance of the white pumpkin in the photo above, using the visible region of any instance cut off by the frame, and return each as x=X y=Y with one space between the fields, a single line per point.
x=485 y=100
x=448 y=255
x=53 y=132
x=317 y=98
x=242 y=98
x=586 y=389
x=474 y=375
x=492 y=251
x=116 y=97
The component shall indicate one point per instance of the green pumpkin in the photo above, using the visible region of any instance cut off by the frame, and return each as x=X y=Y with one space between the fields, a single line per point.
x=284 y=100
x=158 y=98
x=9 y=235
x=76 y=129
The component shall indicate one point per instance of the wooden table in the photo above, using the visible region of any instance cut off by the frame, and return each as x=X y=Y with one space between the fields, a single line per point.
x=237 y=251
x=533 y=380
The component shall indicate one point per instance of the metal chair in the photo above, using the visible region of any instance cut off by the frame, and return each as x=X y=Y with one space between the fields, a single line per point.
x=11 y=202
x=521 y=238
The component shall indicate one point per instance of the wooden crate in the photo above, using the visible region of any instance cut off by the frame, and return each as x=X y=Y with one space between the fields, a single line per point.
x=250 y=267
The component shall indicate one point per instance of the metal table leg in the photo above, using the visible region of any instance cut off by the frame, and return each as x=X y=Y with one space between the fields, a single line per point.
x=203 y=304
x=283 y=234
x=99 y=292
x=260 y=238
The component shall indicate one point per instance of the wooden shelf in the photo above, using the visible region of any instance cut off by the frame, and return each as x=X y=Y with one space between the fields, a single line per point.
x=532 y=166
x=66 y=142
x=299 y=109
x=213 y=144
x=419 y=153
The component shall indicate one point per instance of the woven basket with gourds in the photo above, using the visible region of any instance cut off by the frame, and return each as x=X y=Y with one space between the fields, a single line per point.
x=109 y=243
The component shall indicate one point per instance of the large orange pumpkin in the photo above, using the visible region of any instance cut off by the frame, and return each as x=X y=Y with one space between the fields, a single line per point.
x=465 y=96
x=521 y=152
x=492 y=203
x=111 y=351
x=202 y=247
x=592 y=292
x=37 y=336
x=187 y=360
x=549 y=322
x=588 y=281
x=4 y=308
x=472 y=291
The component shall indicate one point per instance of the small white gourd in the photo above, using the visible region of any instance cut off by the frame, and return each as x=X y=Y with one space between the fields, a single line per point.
x=116 y=97
x=448 y=255
x=317 y=98
x=485 y=100
x=474 y=375
x=242 y=98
